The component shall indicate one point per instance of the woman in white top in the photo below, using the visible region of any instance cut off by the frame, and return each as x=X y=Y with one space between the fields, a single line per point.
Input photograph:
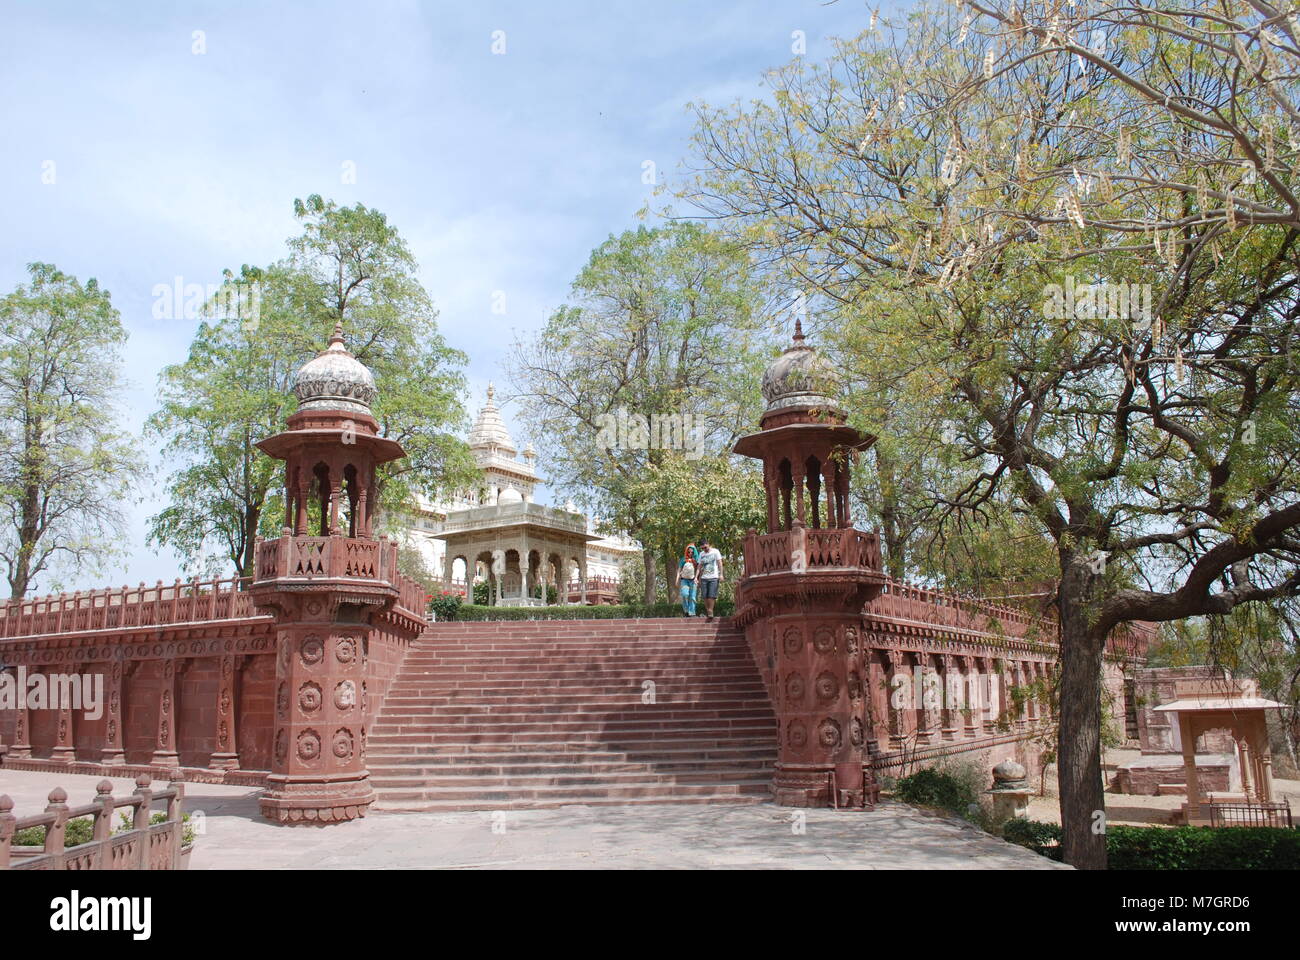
x=686 y=579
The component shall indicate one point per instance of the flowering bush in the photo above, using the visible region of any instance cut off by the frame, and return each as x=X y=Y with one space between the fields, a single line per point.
x=445 y=603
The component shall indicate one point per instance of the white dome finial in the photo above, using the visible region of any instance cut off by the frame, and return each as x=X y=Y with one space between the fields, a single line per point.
x=335 y=380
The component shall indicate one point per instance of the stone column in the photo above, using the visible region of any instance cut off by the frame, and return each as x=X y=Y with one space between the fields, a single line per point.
x=226 y=754
x=828 y=486
x=948 y=692
x=823 y=739
x=582 y=574
x=115 y=692
x=988 y=681
x=1189 y=735
x=164 y=753
x=1022 y=715
x=1263 y=756
x=902 y=698
x=21 y=748
x=318 y=772
x=65 y=736
x=972 y=696
x=923 y=691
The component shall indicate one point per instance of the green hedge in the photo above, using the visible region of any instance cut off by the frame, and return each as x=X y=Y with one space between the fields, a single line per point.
x=1202 y=848
x=82 y=830
x=1175 y=848
x=471 y=611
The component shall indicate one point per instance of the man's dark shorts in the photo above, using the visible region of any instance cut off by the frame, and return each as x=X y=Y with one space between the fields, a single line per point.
x=709 y=589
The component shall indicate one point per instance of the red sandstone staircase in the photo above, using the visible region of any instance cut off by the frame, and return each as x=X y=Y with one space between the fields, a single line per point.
x=511 y=715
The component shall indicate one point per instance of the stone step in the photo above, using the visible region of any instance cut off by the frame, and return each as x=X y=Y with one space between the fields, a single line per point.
x=549 y=733
x=492 y=798
x=576 y=759
x=384 y=805
x=528 y=714
x=634 y=749
x=395 y=711
x=588 y=778
x=531 y=693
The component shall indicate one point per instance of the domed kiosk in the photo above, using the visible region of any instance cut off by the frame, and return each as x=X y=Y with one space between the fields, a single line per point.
x=806 y=581
x=328 y=592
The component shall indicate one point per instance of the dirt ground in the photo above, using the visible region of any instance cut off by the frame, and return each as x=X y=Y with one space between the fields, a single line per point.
x=1125 y=808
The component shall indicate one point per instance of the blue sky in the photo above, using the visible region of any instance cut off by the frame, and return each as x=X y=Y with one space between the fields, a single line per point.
x=501 y=171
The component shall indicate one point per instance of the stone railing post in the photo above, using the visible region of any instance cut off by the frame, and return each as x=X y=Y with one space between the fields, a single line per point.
x=55 y=832
x=7 y=825
x=140 y=821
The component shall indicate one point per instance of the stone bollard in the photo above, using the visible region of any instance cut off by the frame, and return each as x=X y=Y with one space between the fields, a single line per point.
x=1010 y=791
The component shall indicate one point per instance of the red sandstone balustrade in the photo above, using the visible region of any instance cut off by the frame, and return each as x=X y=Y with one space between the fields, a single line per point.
x=127 y=607
x=144 y=846
x=832 y=547
x=330 y=558
x=904 y=601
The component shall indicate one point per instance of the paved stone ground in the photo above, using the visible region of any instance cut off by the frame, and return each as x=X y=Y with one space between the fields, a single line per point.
x=661 y=836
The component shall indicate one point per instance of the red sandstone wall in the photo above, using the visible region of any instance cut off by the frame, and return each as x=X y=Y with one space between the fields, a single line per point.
x=196 y=695
x=387 y=651
x=140 y=710
x=256 y=713
x=89 y=735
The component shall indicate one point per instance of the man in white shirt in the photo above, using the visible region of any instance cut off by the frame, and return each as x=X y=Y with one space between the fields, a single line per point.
x=710 y=574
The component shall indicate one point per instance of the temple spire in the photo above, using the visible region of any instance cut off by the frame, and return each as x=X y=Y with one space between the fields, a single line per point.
x=798 y=331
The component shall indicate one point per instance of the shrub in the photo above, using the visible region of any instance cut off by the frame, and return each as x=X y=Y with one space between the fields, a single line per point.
x=1042 y=838
x=936 y=788
x=76 y=832
x=1174 y=848
x=445 y=604
x=1202 y=848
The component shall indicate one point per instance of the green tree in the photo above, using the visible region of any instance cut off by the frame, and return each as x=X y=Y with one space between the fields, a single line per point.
x=657 y=355
x=939 y=186
x=66 y=467
x=349 y=266
x=718 y=500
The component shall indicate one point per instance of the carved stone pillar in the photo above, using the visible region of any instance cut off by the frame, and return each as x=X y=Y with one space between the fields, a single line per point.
x=115 y=693
x=823 y=731
x=971 y=696
x=950 y=692
x=21 y=748
x=1018 y=680
x=226 y=754
x=318 y=772
x=988 y=693
x=924 y=696
x=65 y=735
x=877 y=680
x=164 y=753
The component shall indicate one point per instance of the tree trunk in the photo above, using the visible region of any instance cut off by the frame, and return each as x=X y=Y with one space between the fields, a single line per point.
x=895 y=559
x=252 y=516
x=648 y=561
x=20 y=578
x=1083 y=801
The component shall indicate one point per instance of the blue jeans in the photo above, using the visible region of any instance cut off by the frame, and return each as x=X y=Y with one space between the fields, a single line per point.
x=688 y=597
